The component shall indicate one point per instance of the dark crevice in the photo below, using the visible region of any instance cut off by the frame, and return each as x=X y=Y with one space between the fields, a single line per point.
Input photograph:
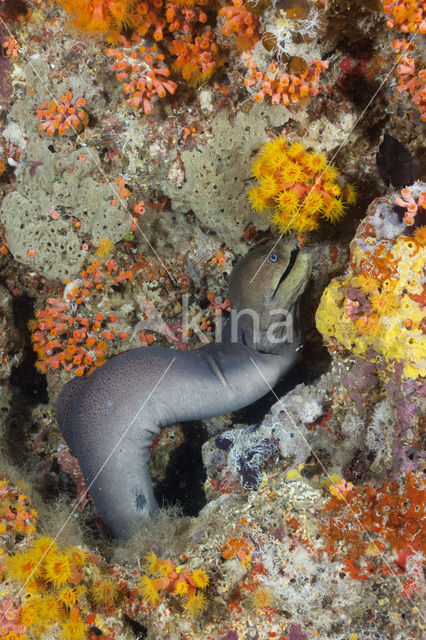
x=14 y=9
x=29 y=387
x=185 y=474
x=25 y=377
x=139 y=631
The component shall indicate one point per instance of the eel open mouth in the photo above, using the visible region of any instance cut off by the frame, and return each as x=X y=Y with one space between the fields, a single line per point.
x=293 y=256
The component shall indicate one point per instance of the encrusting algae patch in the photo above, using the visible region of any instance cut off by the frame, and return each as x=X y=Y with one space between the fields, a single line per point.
x=376 y=310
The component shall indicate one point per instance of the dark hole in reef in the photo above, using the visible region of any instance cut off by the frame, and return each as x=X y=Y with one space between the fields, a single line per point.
x=204 y=303
x=93 y=120
x=14 y=9
x=50 y=482
x=28 y=385
x=51 y=148
x=361 y=48
x=375 y=132
x=25 y=376
x=357 y=86
x=185 y=473
x=139 y=631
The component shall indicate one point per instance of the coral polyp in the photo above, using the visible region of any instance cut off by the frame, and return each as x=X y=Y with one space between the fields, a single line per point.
x=299 y=187
x=64 y=115
x=142 y=72
x=166 y=576
x=100 y=17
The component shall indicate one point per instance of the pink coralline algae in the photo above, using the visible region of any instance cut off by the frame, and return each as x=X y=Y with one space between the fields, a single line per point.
x=231 y=635
x=296 y=632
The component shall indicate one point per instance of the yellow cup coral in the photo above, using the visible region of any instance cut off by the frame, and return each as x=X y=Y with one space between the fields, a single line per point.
x=55 y=585
x=165 y=575
x=299 y=186
x=105 y=592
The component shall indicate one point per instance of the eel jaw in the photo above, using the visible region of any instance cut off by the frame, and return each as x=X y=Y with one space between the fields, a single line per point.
x=293 y=257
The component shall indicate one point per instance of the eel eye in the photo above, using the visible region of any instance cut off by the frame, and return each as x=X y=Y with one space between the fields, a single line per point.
x=273 y=257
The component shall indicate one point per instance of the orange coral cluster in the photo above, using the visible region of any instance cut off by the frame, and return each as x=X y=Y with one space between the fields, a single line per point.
x=220 y=258
x=376 y=520
x=165 y=575
x=194 y=47
x=4 y=249
x=237 y=547
x=145 y=17
x=149 y=18
x=409 y=16
x=11 y=47
x=282 y=86
x=63 y=340
x=407 y=201
x=63 y=115
x=17 y=515
x=196 y=59
x=285 y=83
x=412 y=79
x=72 y=341
x=406 y=16
x=241 y=23
x=185 y=18
x=138 y=68
x=99 y=16
x=142 y=68
x=238 y=544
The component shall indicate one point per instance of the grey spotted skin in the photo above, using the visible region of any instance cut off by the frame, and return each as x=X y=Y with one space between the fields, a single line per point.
x=109 y=419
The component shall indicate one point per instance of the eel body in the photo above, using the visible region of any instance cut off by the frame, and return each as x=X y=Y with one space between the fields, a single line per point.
x=109 y=419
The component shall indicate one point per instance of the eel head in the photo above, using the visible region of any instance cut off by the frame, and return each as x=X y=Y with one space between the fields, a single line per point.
x=264 y=289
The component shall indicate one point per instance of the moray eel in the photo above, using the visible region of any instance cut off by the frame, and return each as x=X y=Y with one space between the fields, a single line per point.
x=109 y=419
